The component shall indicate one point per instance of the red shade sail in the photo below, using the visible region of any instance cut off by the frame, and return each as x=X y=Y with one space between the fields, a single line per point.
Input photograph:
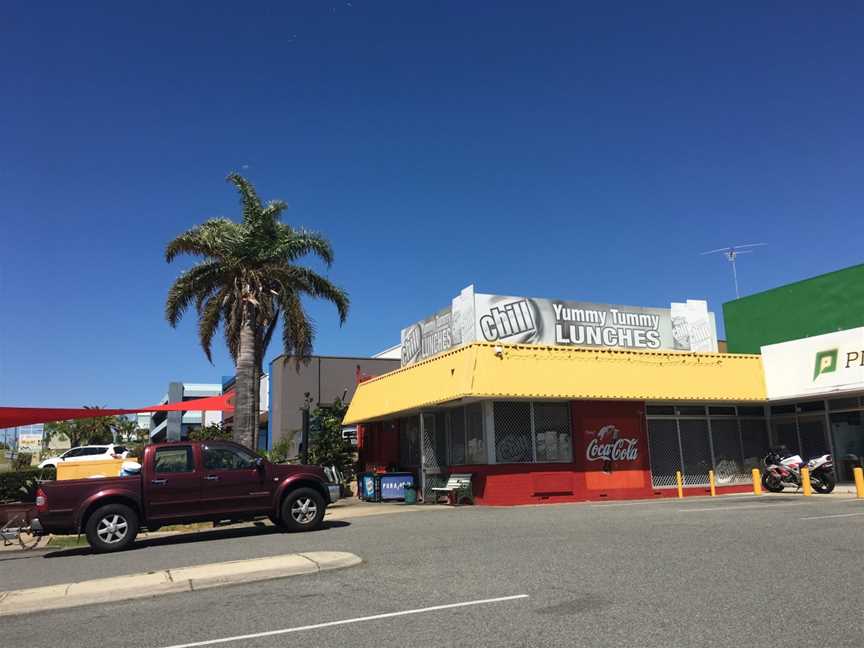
x=15 y=416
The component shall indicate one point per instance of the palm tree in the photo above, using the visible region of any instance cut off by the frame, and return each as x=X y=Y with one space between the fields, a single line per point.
x=86 y=431
x=246 y=279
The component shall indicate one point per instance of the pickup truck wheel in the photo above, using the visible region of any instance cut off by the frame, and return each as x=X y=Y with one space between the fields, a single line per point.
x=111 y=528
x=302 y=510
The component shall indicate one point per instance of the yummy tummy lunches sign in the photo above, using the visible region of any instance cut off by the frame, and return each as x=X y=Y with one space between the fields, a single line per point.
x=473 y=316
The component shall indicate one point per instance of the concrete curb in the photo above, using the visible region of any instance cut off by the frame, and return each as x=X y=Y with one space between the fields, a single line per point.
x=169 y=581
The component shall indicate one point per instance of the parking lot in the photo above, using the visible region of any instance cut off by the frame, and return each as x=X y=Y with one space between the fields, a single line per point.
x=732 y=570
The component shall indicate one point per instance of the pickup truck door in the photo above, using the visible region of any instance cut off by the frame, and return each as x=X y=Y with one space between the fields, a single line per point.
x=233 y=483
x=172 y=484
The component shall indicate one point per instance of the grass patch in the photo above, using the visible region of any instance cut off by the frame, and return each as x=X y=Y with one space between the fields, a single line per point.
x=66 y=541
x=187 y=528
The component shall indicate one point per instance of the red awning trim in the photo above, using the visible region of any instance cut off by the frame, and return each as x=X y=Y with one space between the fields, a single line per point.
x=15 y=416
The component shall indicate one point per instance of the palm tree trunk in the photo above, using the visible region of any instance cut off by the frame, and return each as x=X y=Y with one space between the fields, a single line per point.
x=245 y=416
x=256 y=401
x=259 y=359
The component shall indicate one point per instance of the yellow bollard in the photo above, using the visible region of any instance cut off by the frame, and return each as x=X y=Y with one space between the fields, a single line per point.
x=859 y=480
x=757 y=482
x=805 y=482
x=711 y=483
x=680 y=483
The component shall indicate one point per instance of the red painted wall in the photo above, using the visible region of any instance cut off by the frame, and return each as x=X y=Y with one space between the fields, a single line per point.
x=610 y=441
x=610 y=461
x=613 y=428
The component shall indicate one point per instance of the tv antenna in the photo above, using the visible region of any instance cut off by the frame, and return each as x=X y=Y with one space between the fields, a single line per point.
x=731 y=253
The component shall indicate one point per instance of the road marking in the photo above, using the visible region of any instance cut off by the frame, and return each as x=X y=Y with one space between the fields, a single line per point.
x=836 y=515
x=328 y=624
x=736 y=508
x=642 y=502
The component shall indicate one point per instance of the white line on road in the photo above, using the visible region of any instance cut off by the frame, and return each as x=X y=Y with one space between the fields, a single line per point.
x=736 y=507
x=329 y=624
x=836 y=515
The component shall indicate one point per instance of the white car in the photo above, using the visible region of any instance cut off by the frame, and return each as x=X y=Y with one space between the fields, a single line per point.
x=88 y=453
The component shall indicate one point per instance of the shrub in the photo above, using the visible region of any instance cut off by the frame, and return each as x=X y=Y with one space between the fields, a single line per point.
x=326 y=445
x=21 y=485
x=213 y=432
x=279 y=452
x=136 y=451
x=22 y=461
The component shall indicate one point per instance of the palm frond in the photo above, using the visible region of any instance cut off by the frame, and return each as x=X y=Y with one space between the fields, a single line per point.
x=231 y=322
x=213 y=238
x=248 y=197
x=293 y=244
x=298 y=331
x=271 y=213
x=189 y=285
x=300 y=279
x=268 y=332
x=209 y=318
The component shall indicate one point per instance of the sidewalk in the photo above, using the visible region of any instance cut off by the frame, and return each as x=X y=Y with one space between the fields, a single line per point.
x=348 y=508
x=172 y=581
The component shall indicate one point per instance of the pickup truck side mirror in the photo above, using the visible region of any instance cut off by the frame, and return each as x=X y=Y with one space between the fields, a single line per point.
x=259 y=463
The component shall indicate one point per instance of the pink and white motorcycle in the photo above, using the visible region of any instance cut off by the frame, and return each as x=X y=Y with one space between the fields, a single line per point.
x=783 y=469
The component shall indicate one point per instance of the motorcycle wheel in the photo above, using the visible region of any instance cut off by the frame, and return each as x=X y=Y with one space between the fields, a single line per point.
x=823 y=483
x=772 y=483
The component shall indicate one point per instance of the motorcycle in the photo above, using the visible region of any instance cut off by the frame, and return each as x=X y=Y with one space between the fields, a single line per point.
x=783 y=469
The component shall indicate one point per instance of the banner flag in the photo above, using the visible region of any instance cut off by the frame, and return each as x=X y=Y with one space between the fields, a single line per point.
x=15 y=416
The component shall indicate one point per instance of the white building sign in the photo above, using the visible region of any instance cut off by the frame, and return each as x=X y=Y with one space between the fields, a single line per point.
x=525 y=320
x=820 y=364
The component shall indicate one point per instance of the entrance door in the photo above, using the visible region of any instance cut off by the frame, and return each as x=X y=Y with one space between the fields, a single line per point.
x=174 y=489
x=848 y=431
x=232 y=482
x=434 y=451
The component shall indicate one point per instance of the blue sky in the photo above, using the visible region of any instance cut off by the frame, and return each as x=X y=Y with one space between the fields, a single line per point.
x=546 y=149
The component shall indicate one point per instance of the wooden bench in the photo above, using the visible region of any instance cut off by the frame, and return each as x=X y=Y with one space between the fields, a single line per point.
x=457 y=489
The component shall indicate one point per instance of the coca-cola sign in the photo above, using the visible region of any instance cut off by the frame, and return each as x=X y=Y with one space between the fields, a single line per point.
x=607 y=446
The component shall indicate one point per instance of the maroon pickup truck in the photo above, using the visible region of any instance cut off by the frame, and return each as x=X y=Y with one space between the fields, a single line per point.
x=182 y=482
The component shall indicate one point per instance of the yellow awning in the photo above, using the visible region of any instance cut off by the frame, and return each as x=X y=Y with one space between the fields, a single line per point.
x=545 y=372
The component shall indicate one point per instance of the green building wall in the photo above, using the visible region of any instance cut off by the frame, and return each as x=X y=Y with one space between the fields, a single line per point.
x=823 y=304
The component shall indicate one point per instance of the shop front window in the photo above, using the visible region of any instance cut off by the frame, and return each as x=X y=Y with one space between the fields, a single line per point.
x=513 y=432
x=665 y=451
x=528 y=432
x=784 y=435
x=552 y=432
x=754 y=442
x=730 y=442
x=728 y=460
x=696 y=450
x=813 y=440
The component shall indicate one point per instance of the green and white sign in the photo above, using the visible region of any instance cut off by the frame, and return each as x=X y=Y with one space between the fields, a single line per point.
x=820 y=364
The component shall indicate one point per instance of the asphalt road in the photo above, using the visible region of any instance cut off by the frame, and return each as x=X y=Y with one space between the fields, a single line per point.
x=733 y=571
